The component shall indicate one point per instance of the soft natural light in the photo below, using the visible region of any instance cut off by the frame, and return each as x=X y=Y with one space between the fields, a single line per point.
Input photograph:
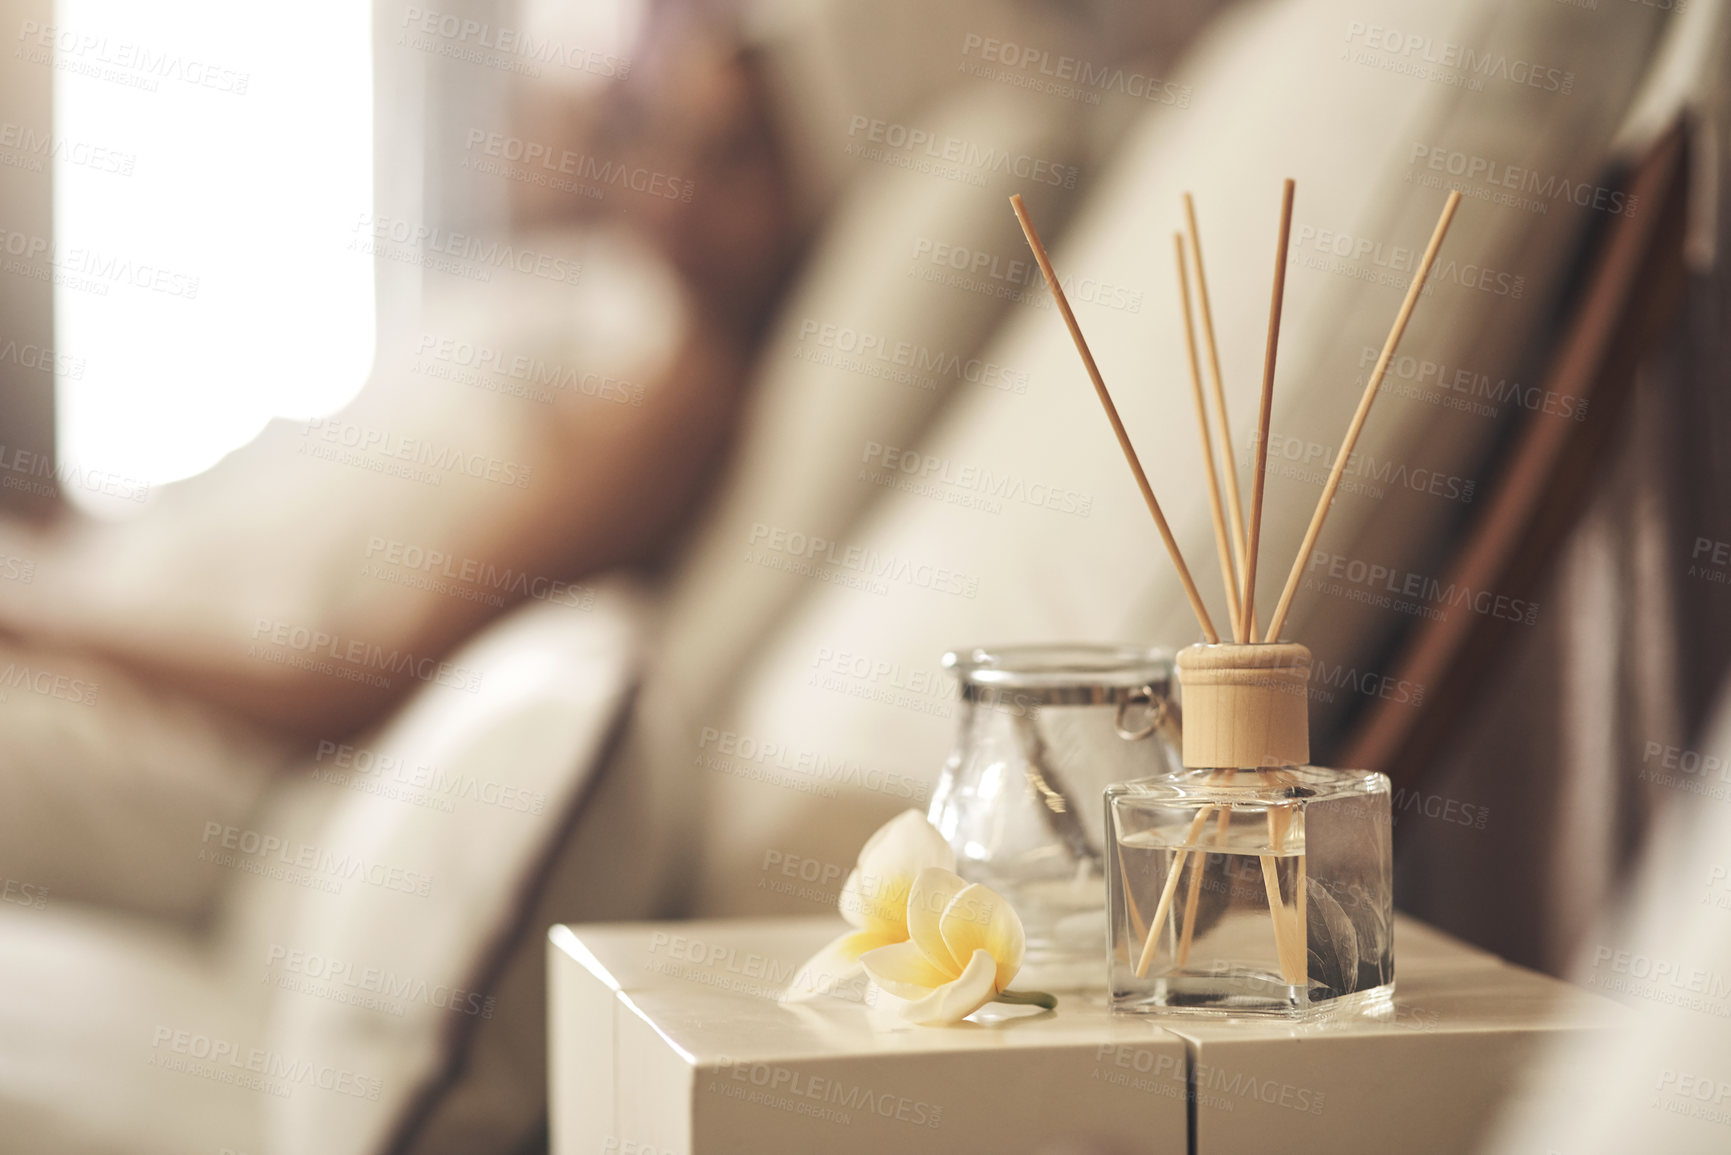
x=213 y=159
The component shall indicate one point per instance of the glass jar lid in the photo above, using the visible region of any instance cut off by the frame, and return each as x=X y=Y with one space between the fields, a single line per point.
x=1061 y=674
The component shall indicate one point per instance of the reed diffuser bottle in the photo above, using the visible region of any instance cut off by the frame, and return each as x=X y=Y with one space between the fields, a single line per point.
x=1249 y=882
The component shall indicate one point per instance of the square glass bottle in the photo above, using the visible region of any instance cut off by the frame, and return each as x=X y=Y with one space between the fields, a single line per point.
x=1249 y=882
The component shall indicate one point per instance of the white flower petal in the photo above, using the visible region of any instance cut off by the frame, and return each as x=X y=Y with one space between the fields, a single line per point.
x=903 y=971
x=956 y=1000
x=906 y=840
x=877 y=902
x=832 y=967
x=875 y=895
x=933 y=890
x=979 y=919
x=854 y=906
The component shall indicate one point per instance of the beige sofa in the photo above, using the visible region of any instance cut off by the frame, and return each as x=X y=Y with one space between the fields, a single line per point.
x=769 y=697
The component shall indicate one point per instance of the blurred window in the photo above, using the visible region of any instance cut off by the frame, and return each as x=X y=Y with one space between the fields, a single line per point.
x=213 y=165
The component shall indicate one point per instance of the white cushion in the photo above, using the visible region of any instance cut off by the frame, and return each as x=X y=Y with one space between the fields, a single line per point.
x=436 y=888
x=361 y=906
x=119 y=1035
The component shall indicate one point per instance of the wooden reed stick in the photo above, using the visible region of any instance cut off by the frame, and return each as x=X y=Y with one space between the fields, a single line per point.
x=1197 y=864
x=1282 y=953
x=1130 y=900
x=1358 y=417
x=1289 y=948
x=1234 y=504
x=1301 y=915
x=1290 y=934
x=1227 y=575
x=1151 y=945
x=1260 y=470
x=1292 y=964
x=1045 y=263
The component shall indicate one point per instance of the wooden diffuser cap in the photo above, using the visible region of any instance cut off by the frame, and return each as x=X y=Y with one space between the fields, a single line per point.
x=1245 y=706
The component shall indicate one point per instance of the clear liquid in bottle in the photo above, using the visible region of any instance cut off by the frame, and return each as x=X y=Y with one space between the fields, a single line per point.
x=1250 y=891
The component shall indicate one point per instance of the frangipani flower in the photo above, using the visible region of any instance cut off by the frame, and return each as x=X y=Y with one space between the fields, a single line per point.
x=875 y=900
x=965 y=945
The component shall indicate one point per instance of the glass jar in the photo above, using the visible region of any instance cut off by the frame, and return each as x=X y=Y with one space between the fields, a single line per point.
x=1252 y=883
x=1043 y=729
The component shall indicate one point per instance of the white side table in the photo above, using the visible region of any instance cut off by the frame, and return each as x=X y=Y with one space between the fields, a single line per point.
x=667 y=1040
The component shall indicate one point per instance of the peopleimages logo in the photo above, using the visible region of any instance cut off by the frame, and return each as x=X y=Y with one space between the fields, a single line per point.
x=1663 y=980
x=333 y=439
x=1718 y=558
x=436 y=564
x=37 y=147
x=1448 y=810
x=476 y=363
x=1134 y=1067
x=429 y=241
x=1015 y=279
x=227 y=845
x=911 y=140
x=1039 y=70
x=1370 y=683
x=42 y=359
x=501 y=46
x=135 y=65
x=1468 y=390
x=255 y=1068
x=379 y=772
x=534 y=155
x=357 y=656
x=1406 y=592
x=23 y=894
x=869 y=679
x=37 y=474
x=908 y=362
x=816 y=1097
x=907 y=465
x=1694 y=1095
x=867 y=564
x=343 y=980
x=20 y=676
x=747 y=756
x=89 y=270
x=1368 y=259
x=1309 y=459
x=1523 y=180
x=1687 y=770
x=1419 y=49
